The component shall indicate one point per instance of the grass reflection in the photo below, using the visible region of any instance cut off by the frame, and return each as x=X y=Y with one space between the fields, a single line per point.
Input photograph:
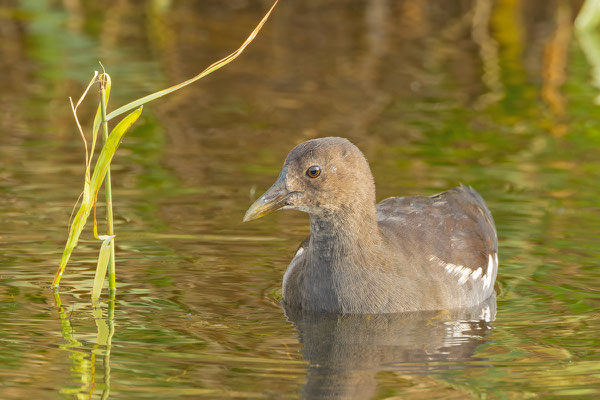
x=84 y=368
x=106 y=330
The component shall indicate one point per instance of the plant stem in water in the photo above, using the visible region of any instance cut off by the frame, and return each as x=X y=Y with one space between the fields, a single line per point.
x=112 y=283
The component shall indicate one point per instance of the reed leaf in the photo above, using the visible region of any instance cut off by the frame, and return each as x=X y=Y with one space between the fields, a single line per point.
x=98 y=118
x=74 y=109
x=211 y=68
x=91 y=191
x=102 y=266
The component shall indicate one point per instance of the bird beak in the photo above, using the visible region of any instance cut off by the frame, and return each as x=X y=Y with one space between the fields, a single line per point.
x=273 y=199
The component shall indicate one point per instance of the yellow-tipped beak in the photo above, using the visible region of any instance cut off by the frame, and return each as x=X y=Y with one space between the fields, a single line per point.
x=273 y=199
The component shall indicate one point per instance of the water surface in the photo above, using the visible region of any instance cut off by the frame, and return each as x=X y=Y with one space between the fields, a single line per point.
x=498 y=95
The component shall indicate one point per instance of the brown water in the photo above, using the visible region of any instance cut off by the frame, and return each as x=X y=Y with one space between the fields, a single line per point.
x=498 y=95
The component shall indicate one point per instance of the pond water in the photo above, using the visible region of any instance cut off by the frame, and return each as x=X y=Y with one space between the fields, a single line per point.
x=501 y=95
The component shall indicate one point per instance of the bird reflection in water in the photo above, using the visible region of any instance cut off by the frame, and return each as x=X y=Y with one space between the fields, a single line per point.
x=345 y=352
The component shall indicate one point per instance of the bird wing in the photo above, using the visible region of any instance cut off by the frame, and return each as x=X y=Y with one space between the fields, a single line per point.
x=445 y=236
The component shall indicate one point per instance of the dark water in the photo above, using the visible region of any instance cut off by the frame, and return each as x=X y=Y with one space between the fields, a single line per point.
x=499 y=95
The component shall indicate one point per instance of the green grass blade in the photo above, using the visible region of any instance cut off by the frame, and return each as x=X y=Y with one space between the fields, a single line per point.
x=109 y=149
x=98 y=117
x=101 y=268
x=211 y=68
x=91 y=191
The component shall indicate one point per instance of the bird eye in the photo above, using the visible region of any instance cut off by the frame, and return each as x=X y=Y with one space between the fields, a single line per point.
x=313 y=171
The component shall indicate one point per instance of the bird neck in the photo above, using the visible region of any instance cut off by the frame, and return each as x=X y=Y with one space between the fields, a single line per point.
x=342 y=249
x=346 y=238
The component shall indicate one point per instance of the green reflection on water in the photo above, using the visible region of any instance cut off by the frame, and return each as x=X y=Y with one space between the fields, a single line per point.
x=85 y=366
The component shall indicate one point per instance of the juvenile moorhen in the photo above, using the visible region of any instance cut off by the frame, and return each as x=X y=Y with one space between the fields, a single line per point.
x=404 y=254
